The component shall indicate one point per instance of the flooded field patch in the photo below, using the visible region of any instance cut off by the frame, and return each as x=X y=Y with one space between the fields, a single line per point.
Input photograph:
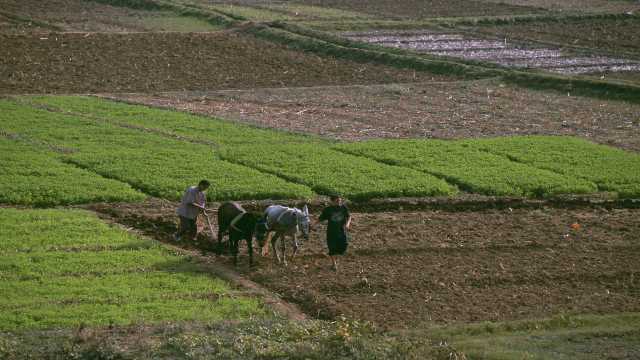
x=497 y=50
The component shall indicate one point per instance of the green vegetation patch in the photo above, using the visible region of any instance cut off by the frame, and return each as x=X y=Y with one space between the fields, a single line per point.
x=32 y=176
x=610 y=168
x=42 y=265
x=173 y=22
x=327 y=171
x=300 y=159
x=30 y=231
x=156 y=164
x=124 y=312
x=471 y=168
x=108 y=289
x=196 y=127
x=44 y=289
x=250 y=12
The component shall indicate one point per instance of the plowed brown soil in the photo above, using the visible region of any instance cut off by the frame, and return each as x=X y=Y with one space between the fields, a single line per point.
x=430 y=110
x=409 y=268
x=148 y=62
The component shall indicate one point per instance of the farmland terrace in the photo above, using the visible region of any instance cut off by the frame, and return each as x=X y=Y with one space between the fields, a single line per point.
x=445 y=110
x=407 y=269
x=494 y=190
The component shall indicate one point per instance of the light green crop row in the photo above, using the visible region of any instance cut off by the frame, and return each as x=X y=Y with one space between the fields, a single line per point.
x=196 y=127
x=37 y=177
x=106 y=289
x=299 y=159
x=30 y=231
x=516 y=166
x=43 y=265
x=157 y=165
x=327 y=171
x=470 y=168
x=50 y=289
x=610 y=168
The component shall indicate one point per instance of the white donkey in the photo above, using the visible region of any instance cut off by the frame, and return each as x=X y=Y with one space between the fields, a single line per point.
x=284 y=221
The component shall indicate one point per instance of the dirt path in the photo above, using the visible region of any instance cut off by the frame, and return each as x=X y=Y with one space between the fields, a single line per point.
x=412 y=268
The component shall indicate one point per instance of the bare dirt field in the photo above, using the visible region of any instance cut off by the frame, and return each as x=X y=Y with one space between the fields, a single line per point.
x=148 y=62
x=432 y=110
x=406 y=269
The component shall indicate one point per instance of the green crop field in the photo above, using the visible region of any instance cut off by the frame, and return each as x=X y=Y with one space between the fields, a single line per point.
x=327 y=171
x=32 y=176
x=64 y=268
x=610 y=168
x=251 y=163
x=471 y=168
x=155 y=164
x=217 y=131
x=300 y=159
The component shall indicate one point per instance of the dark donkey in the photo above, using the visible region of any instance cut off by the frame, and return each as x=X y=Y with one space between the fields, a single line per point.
x=240 y=224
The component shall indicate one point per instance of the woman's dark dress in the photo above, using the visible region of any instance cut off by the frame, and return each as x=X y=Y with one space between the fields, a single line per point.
x=337 y=217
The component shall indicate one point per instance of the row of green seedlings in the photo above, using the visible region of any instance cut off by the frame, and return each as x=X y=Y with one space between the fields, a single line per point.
x=33 y=176
x=525 y=166
x=64 y=268
x=415 y=168
x=300 y=159
x=120 y=152
x=154 y=164
x=513 y=166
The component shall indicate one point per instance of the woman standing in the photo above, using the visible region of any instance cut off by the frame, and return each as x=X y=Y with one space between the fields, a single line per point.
x=339 y=221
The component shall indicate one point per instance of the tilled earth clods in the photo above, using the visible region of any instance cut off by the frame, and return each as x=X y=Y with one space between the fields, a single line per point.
x=445 y=110
x=149 y=62
x=408 y=268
